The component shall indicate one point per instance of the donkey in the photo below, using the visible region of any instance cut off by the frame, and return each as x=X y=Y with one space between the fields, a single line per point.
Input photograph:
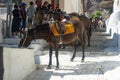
x=43 y=31
x=86 y=22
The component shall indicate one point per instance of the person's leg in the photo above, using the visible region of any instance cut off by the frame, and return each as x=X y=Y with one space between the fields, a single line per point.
x=29 y=26
x=24 y=25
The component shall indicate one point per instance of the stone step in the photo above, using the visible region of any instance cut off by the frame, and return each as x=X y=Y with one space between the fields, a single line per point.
x=11 y=40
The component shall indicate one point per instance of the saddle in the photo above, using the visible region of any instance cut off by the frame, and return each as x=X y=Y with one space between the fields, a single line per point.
x=62 y=28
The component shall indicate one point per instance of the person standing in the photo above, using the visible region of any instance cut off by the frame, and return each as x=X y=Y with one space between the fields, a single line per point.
x=39 y=4
x=50 y=9
x=45 y=7
x=23 y=16
x=15 y=21
x=30 y=14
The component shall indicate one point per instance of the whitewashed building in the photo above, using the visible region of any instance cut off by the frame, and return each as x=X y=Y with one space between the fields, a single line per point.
x=113 y=24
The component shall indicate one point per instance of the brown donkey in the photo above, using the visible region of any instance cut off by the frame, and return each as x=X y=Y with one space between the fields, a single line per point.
x=43 y=31
x=86 y=23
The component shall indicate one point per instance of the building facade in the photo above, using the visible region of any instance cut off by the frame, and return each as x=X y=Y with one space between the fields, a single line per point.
x=67 y=6
x=54 y=3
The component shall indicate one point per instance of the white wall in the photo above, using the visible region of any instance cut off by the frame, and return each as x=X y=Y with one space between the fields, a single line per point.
x=18 y=63
x=69 y=6
x=114 y=18
x=114 y=24
x=116 y=5
x=119 y=35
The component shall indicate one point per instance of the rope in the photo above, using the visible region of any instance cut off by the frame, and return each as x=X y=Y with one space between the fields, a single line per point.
x=25 y=38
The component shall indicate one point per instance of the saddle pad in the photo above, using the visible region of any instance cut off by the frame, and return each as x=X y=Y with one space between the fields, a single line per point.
x=69 y=29
x=75 y=18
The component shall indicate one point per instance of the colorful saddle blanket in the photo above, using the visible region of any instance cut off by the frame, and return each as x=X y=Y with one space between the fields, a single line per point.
x=69 y=29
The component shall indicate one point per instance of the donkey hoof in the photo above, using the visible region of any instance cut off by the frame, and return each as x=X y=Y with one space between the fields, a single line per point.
x=82 y=60
x=57 y=68
x=71 y=59
x=48 y=67
x=88 y=45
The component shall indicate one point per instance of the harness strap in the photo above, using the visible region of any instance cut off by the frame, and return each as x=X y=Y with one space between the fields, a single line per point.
x=75 y=38
x=49 y=34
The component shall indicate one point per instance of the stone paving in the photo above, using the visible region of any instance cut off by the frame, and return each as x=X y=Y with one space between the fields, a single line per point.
x=102 y=62
x=95 y=67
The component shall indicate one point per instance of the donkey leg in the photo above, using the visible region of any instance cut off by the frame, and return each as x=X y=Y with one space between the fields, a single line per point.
x=83 y=53
x=74 y=54
x=89 y=35
x=57 y=60
x=88 y=40
x=50 y=58
x=83 y=46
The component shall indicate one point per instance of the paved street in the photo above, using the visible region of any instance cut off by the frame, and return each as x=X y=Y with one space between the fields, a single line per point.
x=95 y=67
x=102 y=62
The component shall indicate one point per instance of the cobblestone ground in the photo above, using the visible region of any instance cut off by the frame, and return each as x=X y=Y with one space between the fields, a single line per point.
x=100 y=63
x=95 y=67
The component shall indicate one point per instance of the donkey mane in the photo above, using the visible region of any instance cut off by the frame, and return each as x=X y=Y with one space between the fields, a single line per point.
x=40 y=27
